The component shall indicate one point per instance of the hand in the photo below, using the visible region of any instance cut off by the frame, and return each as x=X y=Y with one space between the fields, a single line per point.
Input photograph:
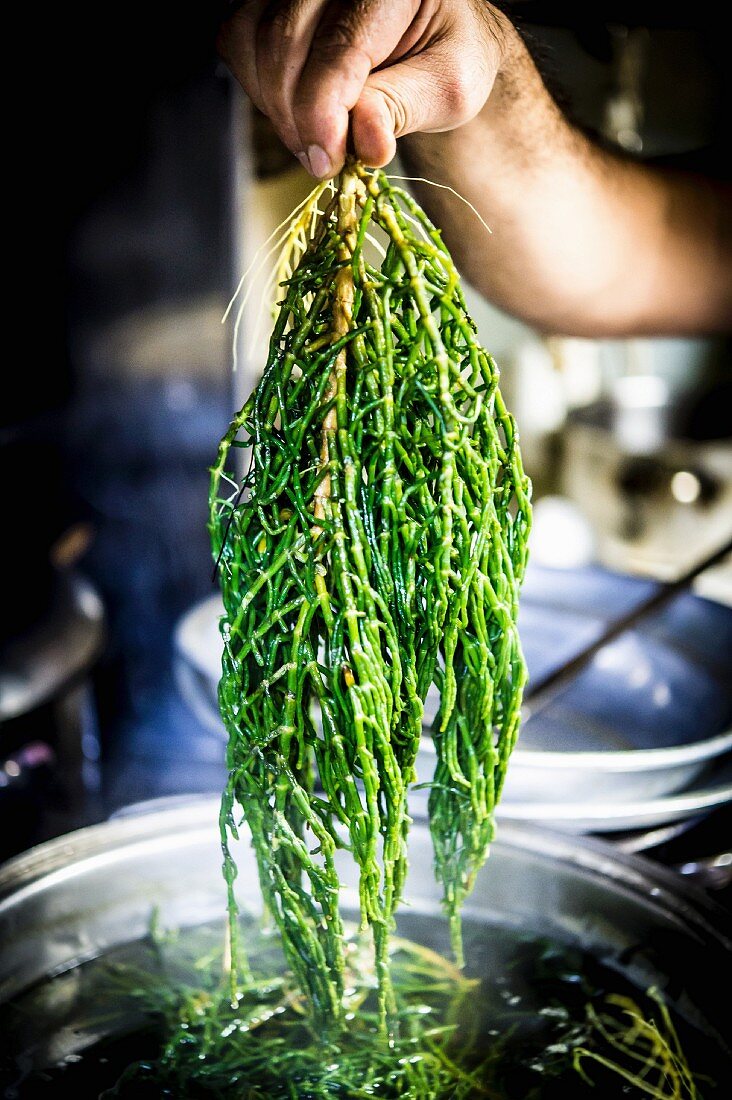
x=393 y=66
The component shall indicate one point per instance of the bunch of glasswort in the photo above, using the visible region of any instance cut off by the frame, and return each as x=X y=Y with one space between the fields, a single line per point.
x=376 y=546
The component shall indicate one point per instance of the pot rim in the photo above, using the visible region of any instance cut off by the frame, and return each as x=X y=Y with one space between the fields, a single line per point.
x=176 y=825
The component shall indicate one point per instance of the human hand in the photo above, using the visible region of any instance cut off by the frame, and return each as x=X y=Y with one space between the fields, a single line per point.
x=391 y=67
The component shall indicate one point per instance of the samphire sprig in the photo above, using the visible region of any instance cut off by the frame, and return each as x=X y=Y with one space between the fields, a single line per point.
x=375 y=546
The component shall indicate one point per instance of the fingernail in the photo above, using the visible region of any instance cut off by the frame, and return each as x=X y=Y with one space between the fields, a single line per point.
x=319 y=161
x=303 y=158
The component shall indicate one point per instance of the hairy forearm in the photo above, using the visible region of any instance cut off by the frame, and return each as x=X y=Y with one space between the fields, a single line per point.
x=584 y=242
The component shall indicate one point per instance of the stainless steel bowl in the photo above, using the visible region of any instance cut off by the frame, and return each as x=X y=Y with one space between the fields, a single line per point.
x=573 y=767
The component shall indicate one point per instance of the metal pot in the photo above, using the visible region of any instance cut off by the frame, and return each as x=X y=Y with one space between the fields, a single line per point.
x=75 y=898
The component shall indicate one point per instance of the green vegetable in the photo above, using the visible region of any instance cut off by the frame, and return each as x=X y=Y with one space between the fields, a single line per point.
x=376 y=546
x=564 y=1036
x=641 y=1048
x=267 y=1046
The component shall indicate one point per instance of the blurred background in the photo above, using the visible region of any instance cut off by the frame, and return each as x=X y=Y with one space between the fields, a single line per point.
x=159 y=183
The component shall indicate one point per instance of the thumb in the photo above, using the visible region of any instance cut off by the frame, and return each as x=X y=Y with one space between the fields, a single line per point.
x=423 y=93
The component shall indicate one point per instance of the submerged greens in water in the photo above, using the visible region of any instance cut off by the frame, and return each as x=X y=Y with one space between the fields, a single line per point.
x=515 y=1028
x=511 y=1035
x=375 y=546
x=267 y=1046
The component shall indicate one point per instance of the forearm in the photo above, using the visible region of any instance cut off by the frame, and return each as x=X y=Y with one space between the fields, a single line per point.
x=583 y=242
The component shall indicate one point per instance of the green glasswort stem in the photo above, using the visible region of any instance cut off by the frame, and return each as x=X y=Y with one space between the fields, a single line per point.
x=376 y=546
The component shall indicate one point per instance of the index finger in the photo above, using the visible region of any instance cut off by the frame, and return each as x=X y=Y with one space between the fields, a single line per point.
x=283 y=39
x=235 y=43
